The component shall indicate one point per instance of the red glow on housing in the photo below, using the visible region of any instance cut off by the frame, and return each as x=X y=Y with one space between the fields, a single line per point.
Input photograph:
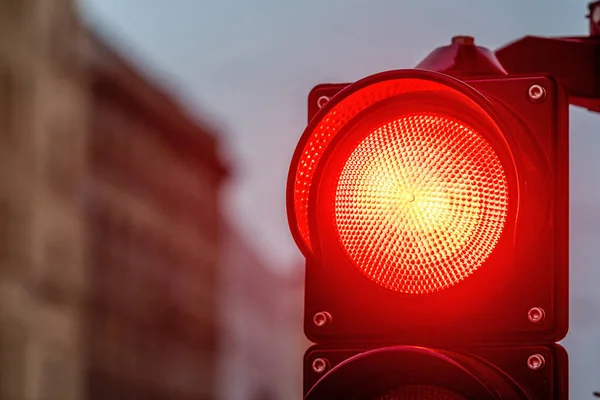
x=421 y=203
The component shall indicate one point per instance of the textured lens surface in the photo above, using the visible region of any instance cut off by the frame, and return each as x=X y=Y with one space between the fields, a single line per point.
x=331 y=125
x=420 y=392
x=421 y=203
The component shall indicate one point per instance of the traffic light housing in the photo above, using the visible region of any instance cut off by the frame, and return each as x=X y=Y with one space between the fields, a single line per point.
x=433 y=210
x=418 y=373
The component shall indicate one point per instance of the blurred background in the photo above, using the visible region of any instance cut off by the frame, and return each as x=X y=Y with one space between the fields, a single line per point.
x=144 y=148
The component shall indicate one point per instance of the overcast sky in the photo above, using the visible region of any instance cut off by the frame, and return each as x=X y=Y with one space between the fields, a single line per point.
x=248 y=66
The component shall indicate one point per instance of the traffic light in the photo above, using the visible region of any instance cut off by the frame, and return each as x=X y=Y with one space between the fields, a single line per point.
x=432 y=208
x=418 y=373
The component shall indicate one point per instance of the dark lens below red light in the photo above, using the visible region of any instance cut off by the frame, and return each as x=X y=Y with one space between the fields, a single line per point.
x=420 y=392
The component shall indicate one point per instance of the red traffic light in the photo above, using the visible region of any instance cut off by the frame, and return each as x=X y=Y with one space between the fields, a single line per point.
x=420 y=195
x=434 y=209
x=421 y=202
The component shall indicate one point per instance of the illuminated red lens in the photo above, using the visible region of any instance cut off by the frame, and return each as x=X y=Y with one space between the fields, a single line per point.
x=421 y=203
x=329 y=126
x=420 y=392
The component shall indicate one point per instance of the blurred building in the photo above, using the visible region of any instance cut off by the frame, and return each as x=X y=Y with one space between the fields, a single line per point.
x=155 y=212
x=109 y=222
x=43 y=124
x=262 y=341
x=111 y=236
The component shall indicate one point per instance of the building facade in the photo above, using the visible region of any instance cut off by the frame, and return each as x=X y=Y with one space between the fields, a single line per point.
x=262 y=340
x=118 y=279
x=43 y=236
x=109 y=222
x=153 y=204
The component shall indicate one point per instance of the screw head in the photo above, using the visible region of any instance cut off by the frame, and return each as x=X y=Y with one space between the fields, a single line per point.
x=536 y=361
x=321 y=319
x=320 y=365
x=536 y=93
x=536 y=315
x=321 y=101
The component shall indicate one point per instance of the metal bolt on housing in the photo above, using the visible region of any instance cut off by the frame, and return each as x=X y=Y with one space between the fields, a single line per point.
x=536 y=315
x=320 y=365
x=536 y=361
x=536 y=93
x=321 y=319
x=321 y=101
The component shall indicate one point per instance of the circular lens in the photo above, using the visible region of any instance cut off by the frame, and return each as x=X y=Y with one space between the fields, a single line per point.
x=420 y=392
x=318 y=137
x=421 y=203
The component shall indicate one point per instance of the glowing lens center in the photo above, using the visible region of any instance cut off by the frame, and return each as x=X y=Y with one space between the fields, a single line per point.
x=421 y=203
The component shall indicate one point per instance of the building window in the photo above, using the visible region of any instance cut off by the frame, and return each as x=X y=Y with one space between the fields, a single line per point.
x=16 y=93
x=55 y=377
x=13 y=345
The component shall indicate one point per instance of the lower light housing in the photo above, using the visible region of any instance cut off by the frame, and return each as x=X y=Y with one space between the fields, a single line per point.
x=419 y=392
x=406 y=373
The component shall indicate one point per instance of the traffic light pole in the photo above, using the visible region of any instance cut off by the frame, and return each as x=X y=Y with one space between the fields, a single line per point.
x=574 y=61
